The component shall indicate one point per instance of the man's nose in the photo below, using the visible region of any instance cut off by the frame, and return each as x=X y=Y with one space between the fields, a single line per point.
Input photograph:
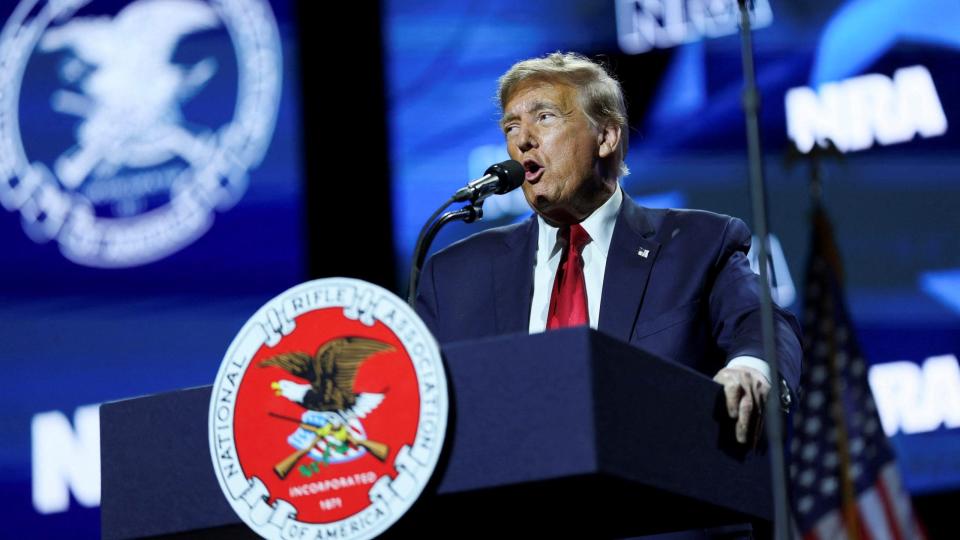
x=526 y=139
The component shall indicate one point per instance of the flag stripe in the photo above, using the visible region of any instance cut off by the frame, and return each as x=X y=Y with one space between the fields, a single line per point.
x=863 y=533
x=897 y=527
x=876 y=519
x=900 y=504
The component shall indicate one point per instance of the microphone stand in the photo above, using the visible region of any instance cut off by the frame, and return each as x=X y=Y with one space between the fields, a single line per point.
x=471 y=212
x=774 y=419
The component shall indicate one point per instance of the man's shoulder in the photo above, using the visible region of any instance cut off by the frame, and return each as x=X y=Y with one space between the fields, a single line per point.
x=667 y=220
x=486 y=242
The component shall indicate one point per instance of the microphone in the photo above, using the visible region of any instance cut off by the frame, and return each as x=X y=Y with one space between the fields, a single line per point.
x=496 y=180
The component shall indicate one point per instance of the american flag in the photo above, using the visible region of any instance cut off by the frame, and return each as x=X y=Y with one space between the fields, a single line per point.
x=845 y=483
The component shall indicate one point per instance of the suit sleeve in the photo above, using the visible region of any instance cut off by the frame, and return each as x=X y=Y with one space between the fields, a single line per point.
x=735 y=308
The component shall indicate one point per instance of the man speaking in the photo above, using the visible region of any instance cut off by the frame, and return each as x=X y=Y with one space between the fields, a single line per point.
x=676 y=283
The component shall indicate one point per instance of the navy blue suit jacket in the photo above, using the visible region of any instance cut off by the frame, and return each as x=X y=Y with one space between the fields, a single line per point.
x=692 y=299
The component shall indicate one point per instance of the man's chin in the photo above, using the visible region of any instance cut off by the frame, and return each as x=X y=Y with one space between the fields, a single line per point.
x=555 y=215
x=547 y=207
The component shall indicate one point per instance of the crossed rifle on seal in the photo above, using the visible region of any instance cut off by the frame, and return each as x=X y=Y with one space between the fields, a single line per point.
x=331 y=373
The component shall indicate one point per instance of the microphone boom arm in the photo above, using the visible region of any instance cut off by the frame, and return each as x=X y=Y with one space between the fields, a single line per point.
x=498 y=179
x=468 y=214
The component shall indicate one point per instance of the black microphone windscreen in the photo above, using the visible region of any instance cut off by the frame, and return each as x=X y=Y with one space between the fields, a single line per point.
x=510 y=173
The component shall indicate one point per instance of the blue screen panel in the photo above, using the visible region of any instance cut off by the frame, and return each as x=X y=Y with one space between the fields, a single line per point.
x=151 y=190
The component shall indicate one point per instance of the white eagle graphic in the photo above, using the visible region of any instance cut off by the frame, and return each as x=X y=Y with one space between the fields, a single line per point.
x=131 y=90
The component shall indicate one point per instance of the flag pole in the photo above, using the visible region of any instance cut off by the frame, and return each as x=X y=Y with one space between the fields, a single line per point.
x=847 y=492
x=774 y=420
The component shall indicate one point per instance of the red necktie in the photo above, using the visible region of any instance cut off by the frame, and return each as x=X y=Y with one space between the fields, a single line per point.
x=568 y=303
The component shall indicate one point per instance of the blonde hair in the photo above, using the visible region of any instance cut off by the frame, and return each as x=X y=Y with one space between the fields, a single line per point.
x=600 y=95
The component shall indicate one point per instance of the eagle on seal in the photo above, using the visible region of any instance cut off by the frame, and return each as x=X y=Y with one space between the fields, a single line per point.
x=331 y=373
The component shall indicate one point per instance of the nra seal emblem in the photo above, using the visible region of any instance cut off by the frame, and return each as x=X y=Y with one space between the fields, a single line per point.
x=328 y=413
x=123 y=131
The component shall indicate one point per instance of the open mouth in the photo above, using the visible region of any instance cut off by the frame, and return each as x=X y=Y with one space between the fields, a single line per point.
x=533 y=170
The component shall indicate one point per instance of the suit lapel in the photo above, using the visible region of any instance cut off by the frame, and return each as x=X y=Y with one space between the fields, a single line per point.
x=513 y=279
x=629 y=261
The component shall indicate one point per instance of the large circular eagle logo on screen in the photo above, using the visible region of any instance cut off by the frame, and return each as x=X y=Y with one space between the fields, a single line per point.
x=328 y=413
x=122 y=131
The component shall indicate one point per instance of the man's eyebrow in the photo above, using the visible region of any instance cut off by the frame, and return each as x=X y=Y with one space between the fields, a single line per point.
x=536 y=107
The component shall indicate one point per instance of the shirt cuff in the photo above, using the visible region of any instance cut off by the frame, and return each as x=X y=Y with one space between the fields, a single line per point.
x=751 y=362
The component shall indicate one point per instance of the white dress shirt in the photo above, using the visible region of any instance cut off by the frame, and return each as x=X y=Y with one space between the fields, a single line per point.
x=599 y=225
x=600 y=228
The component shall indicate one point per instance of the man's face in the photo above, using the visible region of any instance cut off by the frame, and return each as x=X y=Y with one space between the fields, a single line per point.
x=548 y=132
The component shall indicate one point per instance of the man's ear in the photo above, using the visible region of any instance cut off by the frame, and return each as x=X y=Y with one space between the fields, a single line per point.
x=608 y=140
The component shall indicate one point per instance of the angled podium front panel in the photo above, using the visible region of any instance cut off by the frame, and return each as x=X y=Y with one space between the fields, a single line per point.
x=572 y=431
x=156 y=475
x=566 y=432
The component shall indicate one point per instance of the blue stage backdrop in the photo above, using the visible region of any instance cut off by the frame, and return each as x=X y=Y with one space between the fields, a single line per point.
x=151 y=184
x=151 y=188
x=878 y=79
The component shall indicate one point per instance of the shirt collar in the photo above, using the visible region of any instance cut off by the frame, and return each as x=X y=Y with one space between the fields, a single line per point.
x=599 y=225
